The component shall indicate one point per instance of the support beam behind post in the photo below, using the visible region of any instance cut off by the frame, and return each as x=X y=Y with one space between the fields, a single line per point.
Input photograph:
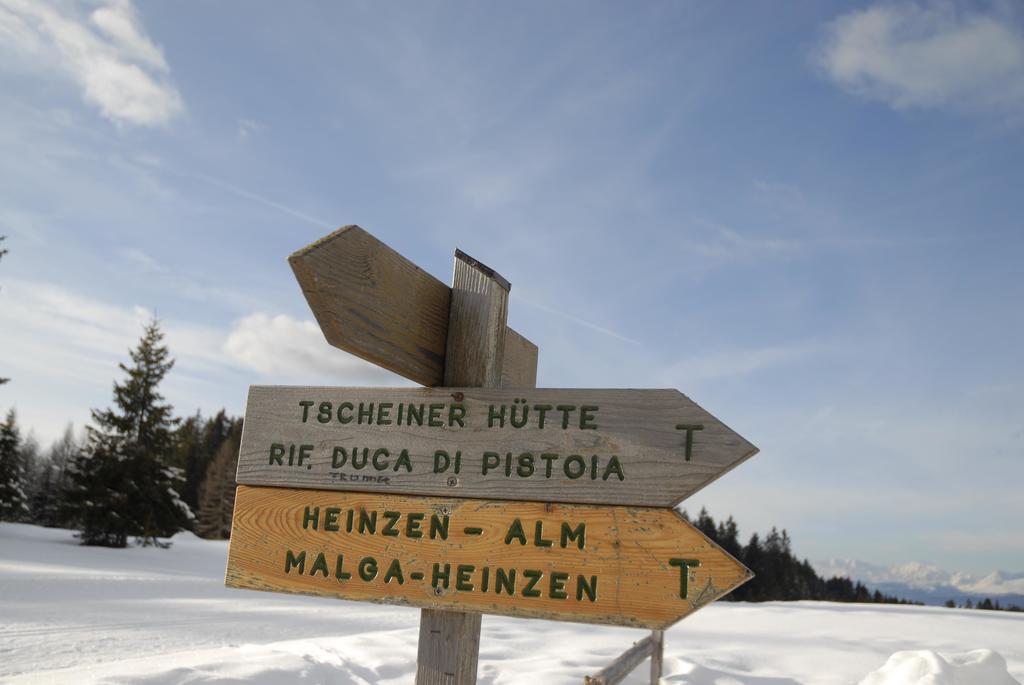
x=657 y=655
x=449 y=646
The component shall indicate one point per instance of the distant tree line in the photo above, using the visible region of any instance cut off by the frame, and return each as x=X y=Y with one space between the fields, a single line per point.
x=985 y=605
x=136 y=473
x=778 y=573
x=780 y=576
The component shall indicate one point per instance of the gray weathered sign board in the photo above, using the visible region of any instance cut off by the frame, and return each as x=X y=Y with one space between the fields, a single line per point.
x=628 y=447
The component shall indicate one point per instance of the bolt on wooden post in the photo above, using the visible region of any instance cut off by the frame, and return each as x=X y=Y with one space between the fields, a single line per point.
x=479 y=493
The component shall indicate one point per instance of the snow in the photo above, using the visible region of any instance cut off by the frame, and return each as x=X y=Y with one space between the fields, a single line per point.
x=978 y=667
x=72 y=614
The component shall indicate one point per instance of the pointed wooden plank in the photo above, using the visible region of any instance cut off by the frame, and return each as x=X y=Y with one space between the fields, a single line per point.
x=374 y=303
x=631 y=566
x=637 y=447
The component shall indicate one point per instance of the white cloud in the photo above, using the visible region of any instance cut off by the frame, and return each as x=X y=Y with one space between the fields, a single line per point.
x=280 y=346
x=911 y=55
x=106 y=52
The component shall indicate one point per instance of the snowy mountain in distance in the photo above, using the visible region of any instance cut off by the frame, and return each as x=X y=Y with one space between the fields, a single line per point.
x=926 y=582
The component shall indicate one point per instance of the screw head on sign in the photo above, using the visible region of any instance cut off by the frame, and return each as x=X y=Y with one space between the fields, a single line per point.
x=452 y=481
x=438 y=591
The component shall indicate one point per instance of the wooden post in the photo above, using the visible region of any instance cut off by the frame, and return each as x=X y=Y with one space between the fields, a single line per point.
x=449 y=646
x=657 y=654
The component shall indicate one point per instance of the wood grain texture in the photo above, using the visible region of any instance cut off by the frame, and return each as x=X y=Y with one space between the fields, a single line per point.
x=638 y=427
x=374 y=303
x=449 y=642
x=449 y=647
x=624 y=664
x=476 y=326
x=626 y=556
x=519 y=368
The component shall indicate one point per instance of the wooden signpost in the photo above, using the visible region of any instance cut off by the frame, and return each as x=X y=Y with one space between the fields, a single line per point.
x=638 y=447
x=634 y=566
x=480 y=493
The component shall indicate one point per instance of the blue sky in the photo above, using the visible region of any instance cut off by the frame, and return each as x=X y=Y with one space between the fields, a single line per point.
x=806 y=216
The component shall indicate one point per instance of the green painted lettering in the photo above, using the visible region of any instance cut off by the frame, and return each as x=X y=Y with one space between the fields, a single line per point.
x=613 y=467
x=292 y=561
x=319 y=564
x=684 y=573
x=557 y=589
x=391 y=527
x=538 y=531
x=310 y=516
x=492 y=460
x=367 y=521
x=515 y=532
x=384 y=413
x=367 y=568
x=394 y=572
x=589 y=588
x=457 y=415
x=412 y=525
x=689 y=428
x=331 y=515
x=505 y=579
x=587 y=417
x=579 y=534
x=463 y=573
x=403 y=460
x=533 y=577
x=439 y=526
x=437 y=575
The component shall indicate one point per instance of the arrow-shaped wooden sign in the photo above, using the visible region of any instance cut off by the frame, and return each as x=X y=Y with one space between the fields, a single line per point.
x=374 y=303
x=633 y=447
x=630 y=566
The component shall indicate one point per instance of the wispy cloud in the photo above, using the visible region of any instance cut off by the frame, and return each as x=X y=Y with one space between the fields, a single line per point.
x=106 y=52
x=740 y=362
x=153 y=163
x=931 y=55
x=267 y=202
x=140 y=259
x=575 y=319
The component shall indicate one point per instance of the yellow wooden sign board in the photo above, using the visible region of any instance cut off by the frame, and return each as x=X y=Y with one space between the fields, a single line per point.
x=618 y=565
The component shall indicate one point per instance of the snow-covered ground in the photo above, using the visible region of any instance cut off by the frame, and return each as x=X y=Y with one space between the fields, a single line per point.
x=71 y=614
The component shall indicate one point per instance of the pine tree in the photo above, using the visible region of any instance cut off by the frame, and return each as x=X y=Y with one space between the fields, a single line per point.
x=13 y=501
x=217 y=492
x=122 y=484
x=51 y=490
